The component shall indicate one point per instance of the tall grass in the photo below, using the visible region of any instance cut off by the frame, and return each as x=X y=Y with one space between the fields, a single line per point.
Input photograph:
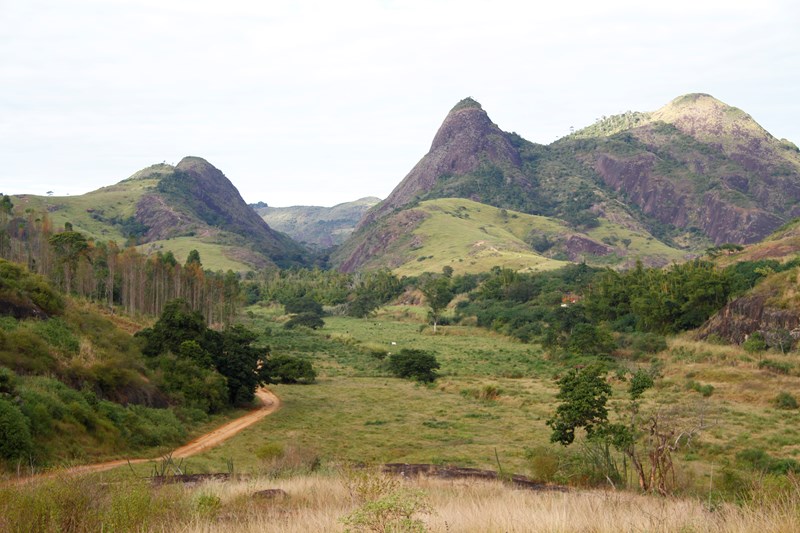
x=320 y=502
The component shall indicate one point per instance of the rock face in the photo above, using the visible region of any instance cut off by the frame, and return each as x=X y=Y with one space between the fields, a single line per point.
x=197 y=199
x=466 y=139
x=671 y=203
x=747 y=315
x=699 y=163
x=381 y=239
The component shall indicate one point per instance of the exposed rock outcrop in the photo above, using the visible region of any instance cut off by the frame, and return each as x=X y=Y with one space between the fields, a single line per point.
x=466 y=139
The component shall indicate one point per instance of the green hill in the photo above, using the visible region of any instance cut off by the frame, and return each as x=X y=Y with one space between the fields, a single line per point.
x=473 y=237
x=192 y=204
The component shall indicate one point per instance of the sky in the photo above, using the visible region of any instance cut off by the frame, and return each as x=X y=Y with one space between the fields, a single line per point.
x=320 y=102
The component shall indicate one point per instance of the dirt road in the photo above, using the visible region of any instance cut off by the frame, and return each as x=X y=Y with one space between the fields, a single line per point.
x=269 y=404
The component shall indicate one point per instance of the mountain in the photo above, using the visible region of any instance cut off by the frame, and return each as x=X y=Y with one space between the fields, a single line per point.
x=191 y=205
x=320 y=226
x=692 y=174
x=698 y=165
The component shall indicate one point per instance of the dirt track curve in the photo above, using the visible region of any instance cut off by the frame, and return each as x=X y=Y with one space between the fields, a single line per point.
x=269 y=404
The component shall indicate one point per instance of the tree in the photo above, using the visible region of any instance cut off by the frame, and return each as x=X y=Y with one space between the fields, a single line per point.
x=287 y=369
x=438 y=294
x=177 y=324
x=238 y=361
x=583 y=394
x=305 y=304
x=588 y=339
x=648 y=440
x=69 y=247
x=414 y=364
x=193 y=258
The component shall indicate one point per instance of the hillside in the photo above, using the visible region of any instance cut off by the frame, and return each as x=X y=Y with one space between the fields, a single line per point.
x=697 y=165
x=471 y=237
x=694 y=173
x=192 y=203
x=320 y=226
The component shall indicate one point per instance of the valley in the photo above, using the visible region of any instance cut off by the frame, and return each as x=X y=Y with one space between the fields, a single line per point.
x=615 y=313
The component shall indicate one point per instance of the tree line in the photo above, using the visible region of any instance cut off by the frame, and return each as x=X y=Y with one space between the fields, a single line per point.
x=114 y=275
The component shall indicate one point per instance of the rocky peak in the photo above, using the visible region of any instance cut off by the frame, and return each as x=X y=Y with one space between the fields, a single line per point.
x=466 y=139
x=709 y=120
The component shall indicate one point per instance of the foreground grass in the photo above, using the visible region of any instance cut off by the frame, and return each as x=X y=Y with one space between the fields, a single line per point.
x=320 y=502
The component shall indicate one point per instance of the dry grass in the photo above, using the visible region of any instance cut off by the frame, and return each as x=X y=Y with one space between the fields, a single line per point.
x=317 y=503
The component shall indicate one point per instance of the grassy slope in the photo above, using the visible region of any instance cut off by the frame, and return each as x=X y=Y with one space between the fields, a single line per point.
x=120 y=201
x=115 y=200
x=212 y=255
x=474 y=237
x=782 y=246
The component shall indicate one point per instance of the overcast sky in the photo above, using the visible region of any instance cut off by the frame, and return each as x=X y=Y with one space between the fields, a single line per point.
x=317 y=103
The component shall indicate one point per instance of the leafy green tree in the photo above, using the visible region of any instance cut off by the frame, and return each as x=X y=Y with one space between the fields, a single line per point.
x=414 y=364
x=193 y=258
x=588 y=339
x=177 y=324
x=238 y=362
x=583 y=394
x=8 y=383
x=304 y=304
x=438 y=295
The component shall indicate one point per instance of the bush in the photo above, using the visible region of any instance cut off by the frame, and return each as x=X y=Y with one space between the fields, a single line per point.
x=287 y=369
x=775 y=366
x=755 y=343
x=784 y=400
x=297 y=306
x=706 y=390
x=309 y=320
x=15 y=437
x=414 y=364
x=648 y=343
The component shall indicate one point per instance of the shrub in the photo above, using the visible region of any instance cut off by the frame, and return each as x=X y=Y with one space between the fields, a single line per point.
x=648 y=342
x=414 y=364
x=775 y=366
x=309 y=320
x=706 y=390
x=302 y=305
x=269 y=451
x=15 y=437
x=287 y=369
x=755 y=343
x=784 y=400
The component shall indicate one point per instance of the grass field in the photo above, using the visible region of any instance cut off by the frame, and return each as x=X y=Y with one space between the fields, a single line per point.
x=492 y=400
x=487 y=410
